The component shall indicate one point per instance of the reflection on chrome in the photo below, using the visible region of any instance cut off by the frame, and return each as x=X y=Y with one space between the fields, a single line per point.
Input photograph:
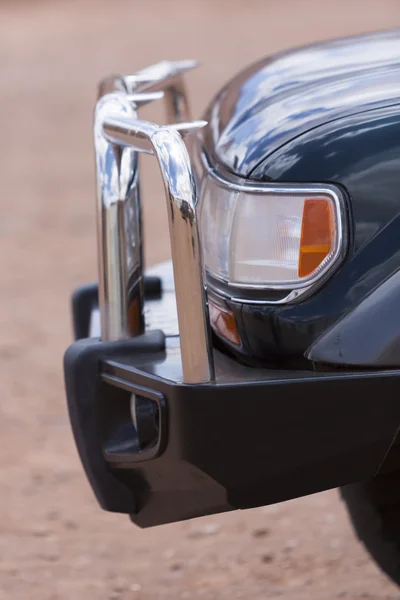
x=119 y=136
x=118 y=201
x=119 y=256
x=180 y=189
x=168 y=77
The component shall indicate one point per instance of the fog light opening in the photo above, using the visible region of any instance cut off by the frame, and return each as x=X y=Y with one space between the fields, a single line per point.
x=145 y=415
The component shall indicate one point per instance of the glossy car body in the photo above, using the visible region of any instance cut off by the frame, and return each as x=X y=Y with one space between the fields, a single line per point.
x=327 y=113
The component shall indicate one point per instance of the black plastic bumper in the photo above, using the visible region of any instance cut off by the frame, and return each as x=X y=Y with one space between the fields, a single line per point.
x=253 y=437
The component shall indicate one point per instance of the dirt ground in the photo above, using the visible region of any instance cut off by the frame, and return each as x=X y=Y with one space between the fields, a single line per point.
x=55 y=543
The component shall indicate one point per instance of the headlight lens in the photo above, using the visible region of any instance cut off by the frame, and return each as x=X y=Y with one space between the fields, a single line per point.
x=267 y=237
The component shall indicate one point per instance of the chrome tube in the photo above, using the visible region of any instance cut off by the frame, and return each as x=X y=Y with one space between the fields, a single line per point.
x=168 y=77
x=118 y=193
x=180 y=190
x=118 y=226
x=119 y=136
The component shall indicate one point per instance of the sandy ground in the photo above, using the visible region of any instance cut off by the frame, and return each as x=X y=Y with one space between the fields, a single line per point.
x=55 y=543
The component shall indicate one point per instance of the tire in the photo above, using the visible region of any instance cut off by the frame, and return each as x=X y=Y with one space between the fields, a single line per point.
x=374 y=510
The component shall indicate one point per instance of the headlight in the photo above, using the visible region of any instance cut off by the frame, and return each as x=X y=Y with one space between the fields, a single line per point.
x=269 y=237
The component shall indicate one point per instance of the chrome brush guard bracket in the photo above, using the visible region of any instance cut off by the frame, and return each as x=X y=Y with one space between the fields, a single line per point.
x=167 y=427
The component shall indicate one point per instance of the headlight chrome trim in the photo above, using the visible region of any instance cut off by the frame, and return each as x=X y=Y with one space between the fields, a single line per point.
x=297 y=290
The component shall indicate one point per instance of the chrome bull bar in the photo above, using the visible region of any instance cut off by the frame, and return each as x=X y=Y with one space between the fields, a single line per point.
x=119 y=137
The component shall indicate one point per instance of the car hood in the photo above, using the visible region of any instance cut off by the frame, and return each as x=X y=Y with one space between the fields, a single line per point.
x=286 y=95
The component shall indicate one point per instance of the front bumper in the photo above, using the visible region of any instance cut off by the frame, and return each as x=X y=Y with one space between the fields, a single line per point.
x=252 y=437
x=167 y=427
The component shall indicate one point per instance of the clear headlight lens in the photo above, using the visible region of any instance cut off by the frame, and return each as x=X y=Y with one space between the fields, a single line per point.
x=268 y=239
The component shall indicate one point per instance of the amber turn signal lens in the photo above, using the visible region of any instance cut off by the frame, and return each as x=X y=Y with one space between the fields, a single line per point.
x=317 y=235
x=224 y=323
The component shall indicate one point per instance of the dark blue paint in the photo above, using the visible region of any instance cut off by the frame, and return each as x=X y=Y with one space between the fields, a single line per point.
x=326 y=113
